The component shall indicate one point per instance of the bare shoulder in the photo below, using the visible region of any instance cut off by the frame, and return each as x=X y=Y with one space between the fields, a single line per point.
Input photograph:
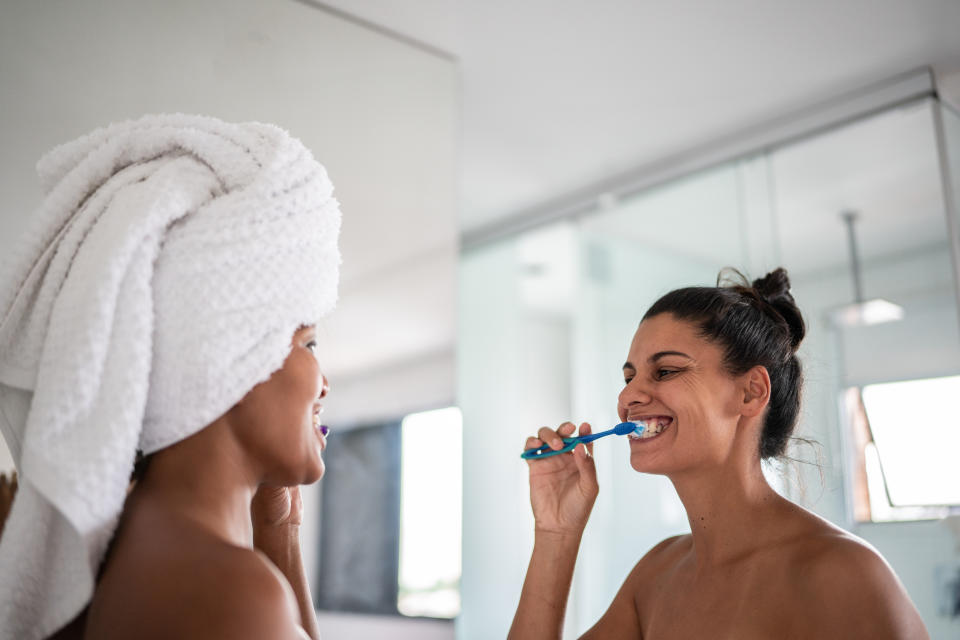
x=855 y=591
x=246 y=597
x=665 y=554
x=623 y=618
x=660 y=559
x=181 y=583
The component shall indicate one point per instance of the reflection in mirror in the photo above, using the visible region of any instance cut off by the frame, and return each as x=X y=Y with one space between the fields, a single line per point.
x=546 y=317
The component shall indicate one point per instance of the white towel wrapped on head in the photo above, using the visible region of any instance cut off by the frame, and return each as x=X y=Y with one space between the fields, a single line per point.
x=162 y=278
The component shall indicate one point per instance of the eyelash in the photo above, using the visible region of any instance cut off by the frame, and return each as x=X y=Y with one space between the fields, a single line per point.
x=659 y=375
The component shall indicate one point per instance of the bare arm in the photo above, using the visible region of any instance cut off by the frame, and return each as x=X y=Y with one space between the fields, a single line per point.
x=562 y=491
x=277 y=513
x=543 y=600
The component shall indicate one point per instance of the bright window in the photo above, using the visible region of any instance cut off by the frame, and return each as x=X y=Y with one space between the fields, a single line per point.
x=431 y=495
x=909 y=445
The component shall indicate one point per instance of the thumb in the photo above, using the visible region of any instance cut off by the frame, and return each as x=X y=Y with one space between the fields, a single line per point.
x=587 y=468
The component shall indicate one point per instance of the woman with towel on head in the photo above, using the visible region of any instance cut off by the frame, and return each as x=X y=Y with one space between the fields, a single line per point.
x=163 y=304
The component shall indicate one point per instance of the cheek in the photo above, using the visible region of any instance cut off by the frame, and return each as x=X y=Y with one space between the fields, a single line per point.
x=695 y=405
x=305 y=381
x=292 y=391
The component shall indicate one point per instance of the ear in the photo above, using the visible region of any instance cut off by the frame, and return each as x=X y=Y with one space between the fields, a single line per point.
x=756 y=391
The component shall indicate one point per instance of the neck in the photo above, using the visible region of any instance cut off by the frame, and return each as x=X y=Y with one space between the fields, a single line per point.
x=207 y=480
x=729 y=509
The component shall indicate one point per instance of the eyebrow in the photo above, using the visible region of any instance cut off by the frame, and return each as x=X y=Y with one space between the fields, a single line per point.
x=657 y=356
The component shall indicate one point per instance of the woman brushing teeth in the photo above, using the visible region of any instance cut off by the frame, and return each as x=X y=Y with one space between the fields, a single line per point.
x=713 y=377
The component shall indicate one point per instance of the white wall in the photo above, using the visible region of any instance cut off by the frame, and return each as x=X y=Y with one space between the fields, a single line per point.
x=380 y=114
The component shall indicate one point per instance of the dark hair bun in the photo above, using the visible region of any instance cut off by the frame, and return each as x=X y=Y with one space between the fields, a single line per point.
x=774 y=289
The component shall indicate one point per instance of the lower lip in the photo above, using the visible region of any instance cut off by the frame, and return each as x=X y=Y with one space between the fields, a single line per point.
x=323 y=439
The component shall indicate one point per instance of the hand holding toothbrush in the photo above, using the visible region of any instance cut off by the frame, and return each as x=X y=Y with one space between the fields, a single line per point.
x=563 y=488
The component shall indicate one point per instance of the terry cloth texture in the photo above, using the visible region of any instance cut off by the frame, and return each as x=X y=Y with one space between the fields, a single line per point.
x=162 y=278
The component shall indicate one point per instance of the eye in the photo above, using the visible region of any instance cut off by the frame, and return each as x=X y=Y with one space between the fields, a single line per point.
x=312 y=345
x=665 y=373
x=626 y=379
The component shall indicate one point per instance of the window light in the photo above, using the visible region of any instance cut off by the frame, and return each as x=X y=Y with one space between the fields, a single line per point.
x=431 y=483
x=916 y=430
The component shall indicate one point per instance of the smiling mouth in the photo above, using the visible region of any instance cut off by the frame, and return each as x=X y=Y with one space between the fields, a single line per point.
x=653 y=426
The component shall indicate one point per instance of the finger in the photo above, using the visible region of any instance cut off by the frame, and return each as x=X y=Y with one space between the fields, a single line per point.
x=296 y=504
x=566 y=429
x=586 y=429
x=533 y=443
x=295 y=498
x=550 y=437
x=586 y=468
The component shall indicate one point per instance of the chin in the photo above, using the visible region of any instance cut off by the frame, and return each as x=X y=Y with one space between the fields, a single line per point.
x=309 y=468
x=291 y=472
x=647 y=464
x=314 y=473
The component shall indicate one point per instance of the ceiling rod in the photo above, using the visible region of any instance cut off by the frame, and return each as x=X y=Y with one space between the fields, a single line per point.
x=862 y=312
x=848 y=219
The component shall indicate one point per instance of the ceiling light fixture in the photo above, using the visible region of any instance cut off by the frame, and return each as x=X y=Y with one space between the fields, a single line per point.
x=862 y=312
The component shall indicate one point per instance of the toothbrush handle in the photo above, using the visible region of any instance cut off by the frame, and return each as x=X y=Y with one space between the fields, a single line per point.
x=571 y=441
x=590 y=437
x=545 y=451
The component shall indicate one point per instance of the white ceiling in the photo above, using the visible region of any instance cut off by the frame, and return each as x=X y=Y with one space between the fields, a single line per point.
x=558 y=95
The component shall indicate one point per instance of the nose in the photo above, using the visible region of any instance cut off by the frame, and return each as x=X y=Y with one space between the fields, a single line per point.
x=632 y=395
x=324 y=387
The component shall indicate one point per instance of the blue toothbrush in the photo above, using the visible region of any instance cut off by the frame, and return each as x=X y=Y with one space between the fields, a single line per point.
x=545 y=451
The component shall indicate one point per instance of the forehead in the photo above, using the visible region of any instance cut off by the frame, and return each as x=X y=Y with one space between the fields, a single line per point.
x=665 y=332
x=304 y=330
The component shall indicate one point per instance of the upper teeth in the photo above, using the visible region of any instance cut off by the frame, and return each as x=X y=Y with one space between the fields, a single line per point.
x=652 y=426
